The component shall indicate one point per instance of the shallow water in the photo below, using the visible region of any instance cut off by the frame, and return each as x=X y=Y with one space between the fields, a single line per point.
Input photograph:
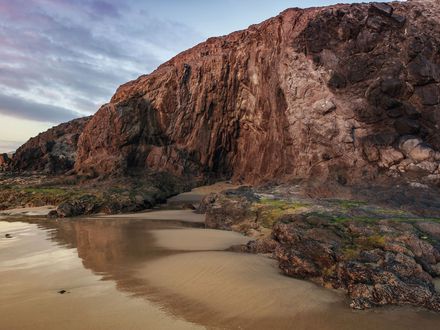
x=133 y=273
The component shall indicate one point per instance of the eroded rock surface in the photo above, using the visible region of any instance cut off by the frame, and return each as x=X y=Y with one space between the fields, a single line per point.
x=331 y=93
x=74 y=196
x=5 y=162
x=53 y=151
x=377 y=255
x=384 y=263
x=344 y=93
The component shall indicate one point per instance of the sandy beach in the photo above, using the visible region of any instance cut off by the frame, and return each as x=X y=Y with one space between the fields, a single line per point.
x=29 y=211
x=141 y=273
x=173 y=215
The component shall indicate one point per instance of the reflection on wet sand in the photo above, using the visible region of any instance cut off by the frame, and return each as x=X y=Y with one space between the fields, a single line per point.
x=159 y=285
x=33 y=269
x=169 y=215
x=228 y=289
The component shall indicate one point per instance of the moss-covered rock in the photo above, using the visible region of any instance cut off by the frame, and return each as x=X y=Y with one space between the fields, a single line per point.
x=379 y=255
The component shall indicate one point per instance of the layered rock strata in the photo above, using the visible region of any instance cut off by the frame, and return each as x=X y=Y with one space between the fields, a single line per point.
x=347 y=93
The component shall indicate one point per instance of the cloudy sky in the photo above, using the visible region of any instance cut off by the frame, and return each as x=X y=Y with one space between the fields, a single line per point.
x=62 y=59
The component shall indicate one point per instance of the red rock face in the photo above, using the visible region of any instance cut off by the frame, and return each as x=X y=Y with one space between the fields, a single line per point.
x=53 y=151
x=345 y=93
x=4 y=162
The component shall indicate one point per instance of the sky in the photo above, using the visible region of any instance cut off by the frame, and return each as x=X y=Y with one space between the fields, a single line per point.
x=63 y=59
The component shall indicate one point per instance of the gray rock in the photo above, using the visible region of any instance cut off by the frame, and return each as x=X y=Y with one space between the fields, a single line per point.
x=382 y=8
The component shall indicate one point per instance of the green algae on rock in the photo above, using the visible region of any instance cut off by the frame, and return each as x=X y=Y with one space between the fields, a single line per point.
x=374 y=257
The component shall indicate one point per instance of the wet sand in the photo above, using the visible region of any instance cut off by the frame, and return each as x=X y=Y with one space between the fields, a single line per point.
x=29 y=211
x=239 y=291
x=197 y=239
x=175 y=215
x=225 y=286
x=32 y=271
x=134 y=273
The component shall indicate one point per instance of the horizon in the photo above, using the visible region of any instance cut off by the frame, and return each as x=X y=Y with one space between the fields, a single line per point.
x=57 y=66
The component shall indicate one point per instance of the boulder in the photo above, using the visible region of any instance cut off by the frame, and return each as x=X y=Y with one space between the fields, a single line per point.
x=429 y=94
x=422 y=152
x=77 y=207
x=422 y=71
x=407 y=144
x=411 y=111
x=323 y=107
x=390 y=156
x=375 y=262
x=392 y=86
x=428 y=166
x=382 y=8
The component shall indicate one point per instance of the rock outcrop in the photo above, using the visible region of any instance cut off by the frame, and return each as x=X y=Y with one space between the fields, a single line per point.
x=345 y=93
x=378 y=256
x=5 y=161
x=53 y=151
x=376 y=264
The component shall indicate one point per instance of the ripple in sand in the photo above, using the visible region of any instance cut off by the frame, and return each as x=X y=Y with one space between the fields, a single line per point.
x=197 y=239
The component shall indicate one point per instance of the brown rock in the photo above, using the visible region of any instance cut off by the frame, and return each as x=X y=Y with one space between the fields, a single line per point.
x=5 y=161
x=375 y=262
x=429 y=94
x=259 y=104
x=392 y=86
x=407 y=126
x=53 y=151
x=427 y=166
x=382 y=8
x=432 y=229
x=217 y=109
x=390 y=156
x=423 y=71
x=324 y=106
x=227 y=213
x=421 y=153
x=407 y=144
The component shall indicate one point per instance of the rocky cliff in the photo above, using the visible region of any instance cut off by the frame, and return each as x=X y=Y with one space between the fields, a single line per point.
x=346 y=93
x=53 y=151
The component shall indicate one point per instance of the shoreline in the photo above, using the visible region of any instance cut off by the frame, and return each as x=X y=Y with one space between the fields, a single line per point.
x=36 y=211
x=266 y=216
x=192 y=279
